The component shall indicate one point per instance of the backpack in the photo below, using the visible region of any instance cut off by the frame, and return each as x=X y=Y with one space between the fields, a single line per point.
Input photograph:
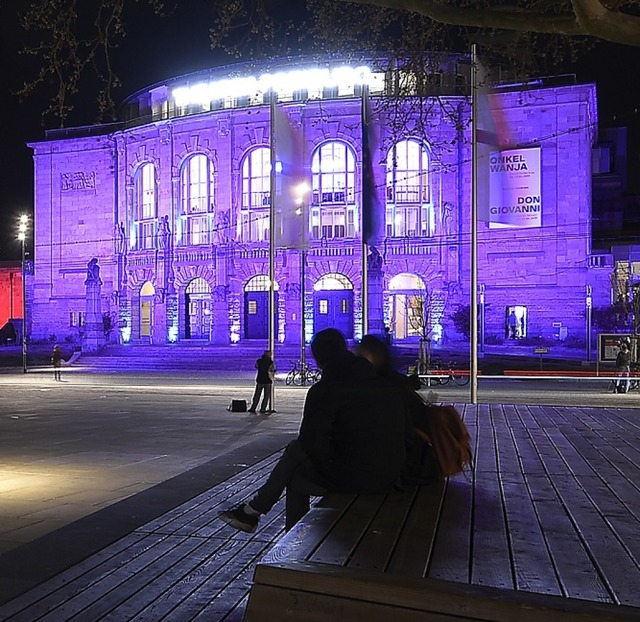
x=449 y=438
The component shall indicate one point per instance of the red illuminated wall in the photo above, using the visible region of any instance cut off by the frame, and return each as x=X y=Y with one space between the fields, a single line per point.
x=10 y=291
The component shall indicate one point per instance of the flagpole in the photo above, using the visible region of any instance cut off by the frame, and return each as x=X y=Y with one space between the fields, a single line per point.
x=473 y=368
x=365 y=270
x=272 y=240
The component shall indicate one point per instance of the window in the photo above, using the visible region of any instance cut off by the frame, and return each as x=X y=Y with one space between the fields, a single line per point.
x=145 y=210
x=409 y=210
x=323 y=306
x=197 y=200
x=333 y=208
x=256 y=195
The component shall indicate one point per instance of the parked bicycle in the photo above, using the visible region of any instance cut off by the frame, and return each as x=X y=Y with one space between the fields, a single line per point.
x=441 y=373
x=302 y=374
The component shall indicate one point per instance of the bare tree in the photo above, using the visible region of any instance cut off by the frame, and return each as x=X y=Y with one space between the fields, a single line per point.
x=67 y=39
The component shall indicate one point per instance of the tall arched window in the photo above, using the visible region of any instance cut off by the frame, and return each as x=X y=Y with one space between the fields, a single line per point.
x=197 y=200
x=256 y=193
x=333 y=207
x=409 y=209
x=145 y=209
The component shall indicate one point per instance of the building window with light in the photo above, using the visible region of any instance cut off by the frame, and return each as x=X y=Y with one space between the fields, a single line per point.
x=256 y=195
x=333 y=207
x=409 y=211
x=145 y=209
x=197 y=184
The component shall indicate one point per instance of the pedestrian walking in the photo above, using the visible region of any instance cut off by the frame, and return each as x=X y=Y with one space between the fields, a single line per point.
x=56 y=361
x=264 y=383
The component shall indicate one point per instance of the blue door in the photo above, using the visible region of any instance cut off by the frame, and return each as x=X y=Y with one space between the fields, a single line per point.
x=333 y=309
x=256 y=315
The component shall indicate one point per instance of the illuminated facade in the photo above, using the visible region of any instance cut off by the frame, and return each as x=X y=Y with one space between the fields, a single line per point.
x=174 y=203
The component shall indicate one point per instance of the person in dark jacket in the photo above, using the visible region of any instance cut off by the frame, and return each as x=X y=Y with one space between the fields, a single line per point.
x=264 y=381
x=421 y=466
x=351 y=438
x=623 y=365
x=56 y=361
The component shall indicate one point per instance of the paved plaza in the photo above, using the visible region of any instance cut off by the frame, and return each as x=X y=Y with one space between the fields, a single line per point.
x=118 y=449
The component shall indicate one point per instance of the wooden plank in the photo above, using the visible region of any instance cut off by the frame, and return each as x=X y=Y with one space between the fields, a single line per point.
x=376 y=546
x=450 y=558
x=532 y=566
x=56 y=593
x=414 y=546
x=305 y=537
x=341 y=541
x=491 y=559
x=423 y=595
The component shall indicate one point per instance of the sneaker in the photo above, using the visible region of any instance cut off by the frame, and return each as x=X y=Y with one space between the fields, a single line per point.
x=239 y=519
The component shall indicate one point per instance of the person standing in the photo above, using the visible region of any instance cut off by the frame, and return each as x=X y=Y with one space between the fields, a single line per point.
x=56 y=361
x=264 y=381
x=623 y=365
x=351 y=438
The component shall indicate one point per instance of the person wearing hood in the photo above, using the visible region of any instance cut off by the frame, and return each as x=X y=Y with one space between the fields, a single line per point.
x=351 y=438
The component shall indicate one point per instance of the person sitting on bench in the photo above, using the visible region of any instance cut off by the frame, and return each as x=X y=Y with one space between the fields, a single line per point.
x=351 y=438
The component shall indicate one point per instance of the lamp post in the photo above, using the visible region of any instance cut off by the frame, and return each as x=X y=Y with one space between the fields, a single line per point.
x=22 y=235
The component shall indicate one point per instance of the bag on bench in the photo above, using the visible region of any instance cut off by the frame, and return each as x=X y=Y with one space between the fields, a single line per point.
x=448 y=436
x=238 y=406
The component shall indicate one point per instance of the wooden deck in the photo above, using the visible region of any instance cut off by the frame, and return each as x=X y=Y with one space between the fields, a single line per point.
x=551 y=511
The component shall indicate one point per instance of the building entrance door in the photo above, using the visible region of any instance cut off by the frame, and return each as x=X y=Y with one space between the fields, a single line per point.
x=333 y=304
x=198 y=306
x=256 y=308
x=147 y=294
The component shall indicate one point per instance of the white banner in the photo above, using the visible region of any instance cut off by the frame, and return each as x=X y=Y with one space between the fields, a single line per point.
x=514 y=188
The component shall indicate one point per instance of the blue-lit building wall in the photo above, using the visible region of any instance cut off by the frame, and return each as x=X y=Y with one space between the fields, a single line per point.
x=172 y=204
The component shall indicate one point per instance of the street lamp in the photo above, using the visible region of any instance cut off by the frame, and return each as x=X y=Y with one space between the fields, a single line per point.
x=22 y=236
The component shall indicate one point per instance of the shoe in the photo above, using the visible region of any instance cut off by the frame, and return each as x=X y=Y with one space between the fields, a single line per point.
x=264 y=412
x=253 y=412
x=239 y=519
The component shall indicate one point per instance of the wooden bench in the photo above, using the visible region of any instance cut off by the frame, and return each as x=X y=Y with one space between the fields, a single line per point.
x=517 y=540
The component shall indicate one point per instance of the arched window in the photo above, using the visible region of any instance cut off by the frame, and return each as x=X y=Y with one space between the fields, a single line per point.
x=196 y=200
x=145 y=209
x=256 y=194
x=409 y=209
x=333 y=207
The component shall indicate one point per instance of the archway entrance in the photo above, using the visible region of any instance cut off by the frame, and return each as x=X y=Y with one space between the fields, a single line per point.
x=333 y=304
x=147 y=295
x=408 y=297
x=198 y=306
x=256 y=307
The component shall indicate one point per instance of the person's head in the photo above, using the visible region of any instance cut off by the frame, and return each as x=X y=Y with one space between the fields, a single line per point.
x=624 y=347
x=375 y=351
x=326 y=345
x=56 y=347
x=267 y=353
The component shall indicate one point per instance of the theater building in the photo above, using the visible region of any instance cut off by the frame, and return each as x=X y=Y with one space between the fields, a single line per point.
x=173 y=202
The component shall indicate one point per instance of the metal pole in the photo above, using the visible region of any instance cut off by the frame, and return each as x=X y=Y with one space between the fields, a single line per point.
x=272 y=241
x=482 y=316
x=24 y=314
x=589 y=309
x=474 y=229
x=365 y=272
x=303 y=260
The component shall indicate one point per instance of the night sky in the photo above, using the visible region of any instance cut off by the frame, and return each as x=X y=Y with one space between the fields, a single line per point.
x=156 y=49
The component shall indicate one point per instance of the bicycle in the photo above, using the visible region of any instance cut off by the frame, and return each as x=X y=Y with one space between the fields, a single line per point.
x=301 y=374
x=447 y=373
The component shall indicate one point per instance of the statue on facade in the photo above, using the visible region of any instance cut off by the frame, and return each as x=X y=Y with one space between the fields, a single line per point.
x=120 y=239
x=93 y=273
x=222 y=227
x=164 y=232
x=374 y=260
